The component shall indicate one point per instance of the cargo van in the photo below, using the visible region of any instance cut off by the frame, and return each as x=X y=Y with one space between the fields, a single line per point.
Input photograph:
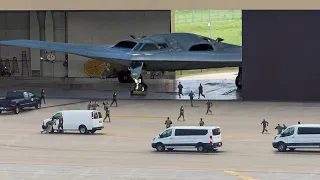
x=298 y=136
x=202 y=138
x=84 y=121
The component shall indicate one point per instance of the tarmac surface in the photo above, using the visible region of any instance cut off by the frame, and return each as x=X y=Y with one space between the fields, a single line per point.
x=216 y=86
x=122 y=151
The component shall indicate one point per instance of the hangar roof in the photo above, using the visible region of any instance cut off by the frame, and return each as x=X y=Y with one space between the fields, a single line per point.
x=155 y=4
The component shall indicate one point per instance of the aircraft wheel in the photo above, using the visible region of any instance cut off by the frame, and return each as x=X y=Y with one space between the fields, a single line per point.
x=145 y=87
x=238 y=82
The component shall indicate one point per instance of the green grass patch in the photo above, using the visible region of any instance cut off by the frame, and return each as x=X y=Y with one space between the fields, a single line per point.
x=226 y=24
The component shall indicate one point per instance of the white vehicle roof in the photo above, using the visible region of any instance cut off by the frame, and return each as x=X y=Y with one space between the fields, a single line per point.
x=306 y=125
x=195 y=127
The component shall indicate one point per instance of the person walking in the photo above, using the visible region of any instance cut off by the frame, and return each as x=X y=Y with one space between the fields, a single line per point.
x=209 y=105
x=95 y=105
x=181 y=113
x=114 y=99
x=284 y=127
x=180 y=87
x=42 y=96
x=264 y=126
x=191 y=95
x=201 y=91
x=60 y=125
x=279 y=128
x=107 y=109
x=201 y=123
x=89 y=106
x=168 y=123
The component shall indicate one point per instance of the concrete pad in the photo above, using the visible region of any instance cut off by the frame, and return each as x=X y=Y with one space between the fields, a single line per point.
x=123 y=149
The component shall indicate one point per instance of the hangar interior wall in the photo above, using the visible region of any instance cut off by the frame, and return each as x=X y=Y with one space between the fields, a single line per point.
x=85 y=27
x=281 y=55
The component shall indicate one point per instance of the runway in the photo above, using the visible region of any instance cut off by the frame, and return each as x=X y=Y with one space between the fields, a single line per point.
x=123 y=149
x=216 y=86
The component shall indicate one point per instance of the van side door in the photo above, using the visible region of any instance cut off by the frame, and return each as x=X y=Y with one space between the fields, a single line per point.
x=166 y=137
x=308 y=137
x=289 y=137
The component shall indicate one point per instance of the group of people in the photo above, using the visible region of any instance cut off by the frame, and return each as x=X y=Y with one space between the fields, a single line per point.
x=191 y=94
x=209 y=104
x=168 y=122
x=93 y=106
x=279 y=128
x=48 y=127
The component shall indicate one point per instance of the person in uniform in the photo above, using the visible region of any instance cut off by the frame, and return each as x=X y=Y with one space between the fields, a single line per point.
x=114 y=99
x=180 y=87
x=201 y=123
x=279 y=128
x=209 y=105
x=95 y=105
x=181 y=113
x=42 y=97
x=284 y=127
x=168 y=123
x=89 y=106
x=60 y=125
x=191 y=95
x=49 y=125
x=107 y=109
x=264 y=126
x=201 y=91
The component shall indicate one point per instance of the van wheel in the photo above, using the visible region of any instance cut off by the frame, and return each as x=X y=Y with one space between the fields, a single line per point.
x=0 y=111
x=200 y=148
x=83 y=129
x=160 y=147
x=282 y=147
x=16 y=110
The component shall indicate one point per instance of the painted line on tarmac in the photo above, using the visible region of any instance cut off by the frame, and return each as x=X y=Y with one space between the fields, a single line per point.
x=240 y=176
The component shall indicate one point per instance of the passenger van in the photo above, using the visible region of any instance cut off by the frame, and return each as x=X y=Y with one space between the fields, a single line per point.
x=84 y=121
x=201 y=137
x=298 y=136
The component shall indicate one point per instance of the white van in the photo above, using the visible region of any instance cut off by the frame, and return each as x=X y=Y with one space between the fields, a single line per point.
x=201 y=137
x=298 y=136
x=84 y=121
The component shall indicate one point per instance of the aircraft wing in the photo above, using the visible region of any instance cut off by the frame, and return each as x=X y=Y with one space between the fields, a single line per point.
x=86 y=50
x=170 y=60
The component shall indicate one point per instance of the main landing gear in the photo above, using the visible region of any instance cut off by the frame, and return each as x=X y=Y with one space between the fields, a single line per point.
x=239 y=79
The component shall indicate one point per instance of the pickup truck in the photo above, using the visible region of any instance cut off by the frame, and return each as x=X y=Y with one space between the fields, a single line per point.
x=17 y=100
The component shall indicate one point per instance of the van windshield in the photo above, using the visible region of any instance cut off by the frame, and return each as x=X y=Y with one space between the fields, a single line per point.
x=216 y=132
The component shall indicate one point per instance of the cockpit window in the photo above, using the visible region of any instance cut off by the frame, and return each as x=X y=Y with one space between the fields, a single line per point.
x=149 y=47
x=137 y=47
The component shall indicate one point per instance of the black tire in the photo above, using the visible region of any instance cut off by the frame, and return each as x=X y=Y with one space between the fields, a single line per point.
x=93 y=131
x=238 y=82
x=170 y=149
x=145 y=87
x=200 y=148
x=17 y=109
x=292 y=149
x=282 y=147
x=160 y=147
x=83 y=129
x=0 y=111
x=38 y=105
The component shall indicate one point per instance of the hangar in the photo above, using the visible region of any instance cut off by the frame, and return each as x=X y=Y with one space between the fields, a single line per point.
x=279 y=57
x=80 y=27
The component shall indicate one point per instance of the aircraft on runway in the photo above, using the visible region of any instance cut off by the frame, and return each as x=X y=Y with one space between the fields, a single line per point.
x=157 y=52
